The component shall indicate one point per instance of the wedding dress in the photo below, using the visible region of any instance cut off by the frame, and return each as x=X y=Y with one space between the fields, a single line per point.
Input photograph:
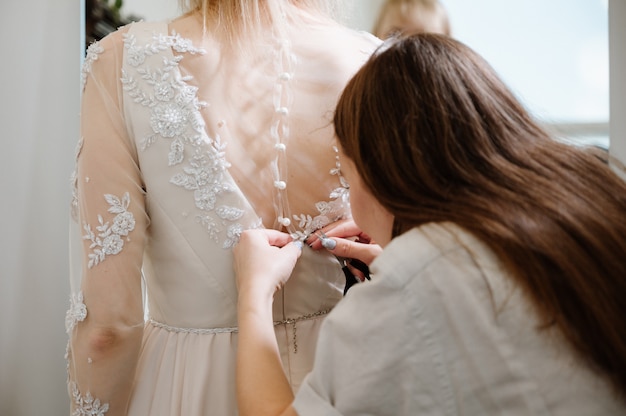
x=185 y=143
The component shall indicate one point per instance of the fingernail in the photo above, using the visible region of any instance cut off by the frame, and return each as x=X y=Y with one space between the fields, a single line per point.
x=299 y=244
x=329 y=243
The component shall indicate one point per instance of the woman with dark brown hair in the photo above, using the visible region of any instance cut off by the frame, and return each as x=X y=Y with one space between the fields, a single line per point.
x=501 y=286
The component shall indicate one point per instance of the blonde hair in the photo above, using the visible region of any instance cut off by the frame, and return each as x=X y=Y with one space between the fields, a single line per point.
x=413 y=16
x=236 y=21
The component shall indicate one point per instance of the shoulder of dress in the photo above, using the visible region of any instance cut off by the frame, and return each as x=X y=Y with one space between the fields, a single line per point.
x=110 y=45
x=365 y=41
x=148 y=28
x=115 y=39
x=104 y=56
x=369 y=38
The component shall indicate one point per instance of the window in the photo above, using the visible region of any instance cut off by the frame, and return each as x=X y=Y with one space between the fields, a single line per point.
x=553 y=54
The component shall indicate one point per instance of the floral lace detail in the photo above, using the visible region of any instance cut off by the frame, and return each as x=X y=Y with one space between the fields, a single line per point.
x=109 y=240
x=329 y=211
x=87 y=405
x=74 y=183
x=93 y=51
x=68 y=352
x=175 y=115
x=76 y=313
x=137 y=54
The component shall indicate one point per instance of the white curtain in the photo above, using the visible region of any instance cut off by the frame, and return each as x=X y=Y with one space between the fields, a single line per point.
x=39 y=88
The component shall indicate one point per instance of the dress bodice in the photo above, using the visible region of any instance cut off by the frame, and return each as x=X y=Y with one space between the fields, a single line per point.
x=226 y=144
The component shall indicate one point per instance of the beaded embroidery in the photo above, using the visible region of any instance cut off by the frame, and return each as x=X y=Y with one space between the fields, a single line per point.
x=74 y=183
x=109 y=240
x=330 y=211
x=93 y=51
x=234 y=329
x=174 y=115
x=87 y=405
x=76 y=313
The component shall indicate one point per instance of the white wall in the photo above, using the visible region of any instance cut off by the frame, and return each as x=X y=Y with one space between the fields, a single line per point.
x=39 y=90
x=151 y=10
x=363 y=14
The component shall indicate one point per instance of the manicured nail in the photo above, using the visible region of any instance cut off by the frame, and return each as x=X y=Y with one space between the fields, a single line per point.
x=329 y=243
x=299 y=244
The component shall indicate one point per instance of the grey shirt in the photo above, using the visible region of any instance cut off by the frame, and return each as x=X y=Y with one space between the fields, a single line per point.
x=442 y=330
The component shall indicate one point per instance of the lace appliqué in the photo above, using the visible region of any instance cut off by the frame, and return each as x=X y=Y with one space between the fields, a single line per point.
x=74 y=183
x=175 y=115
x=76 y=313
x=93 y=51
x=87 y=405
x=329 y=211
x=137 y=54
x=109 y=240
x=68 y=352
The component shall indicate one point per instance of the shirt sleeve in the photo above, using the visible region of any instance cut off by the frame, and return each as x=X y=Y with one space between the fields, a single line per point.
x=105 y=318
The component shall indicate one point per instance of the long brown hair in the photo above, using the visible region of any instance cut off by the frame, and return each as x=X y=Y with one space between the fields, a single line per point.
x=437 y=136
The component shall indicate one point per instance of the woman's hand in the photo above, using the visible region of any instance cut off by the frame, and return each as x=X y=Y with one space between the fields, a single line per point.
x=264 y=260
x=349 y=241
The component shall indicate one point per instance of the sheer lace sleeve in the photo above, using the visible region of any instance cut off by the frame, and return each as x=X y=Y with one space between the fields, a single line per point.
x=105 y=318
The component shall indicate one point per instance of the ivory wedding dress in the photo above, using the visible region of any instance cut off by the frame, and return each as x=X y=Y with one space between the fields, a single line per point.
x=185 y=143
